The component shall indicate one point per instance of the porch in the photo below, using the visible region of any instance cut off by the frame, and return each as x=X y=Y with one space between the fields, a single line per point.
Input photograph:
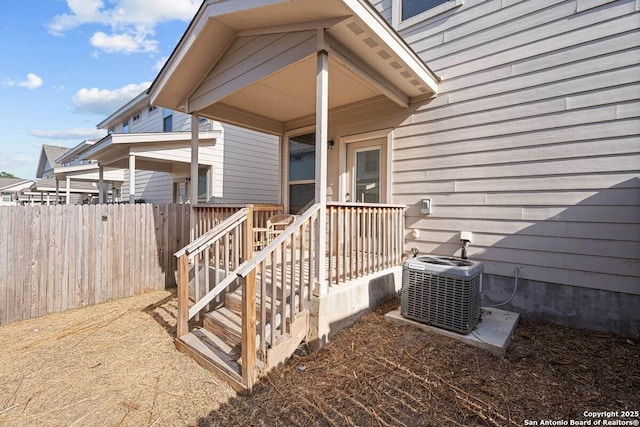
x=242 y=312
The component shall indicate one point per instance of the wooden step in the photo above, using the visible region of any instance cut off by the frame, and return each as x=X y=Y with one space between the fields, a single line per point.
x=213 y=354
x=226 y=324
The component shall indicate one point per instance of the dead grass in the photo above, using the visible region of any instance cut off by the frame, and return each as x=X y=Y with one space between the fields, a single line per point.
x=115 y=364
x=107 y=365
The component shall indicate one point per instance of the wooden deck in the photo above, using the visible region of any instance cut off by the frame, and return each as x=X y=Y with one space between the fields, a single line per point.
x=264 y=312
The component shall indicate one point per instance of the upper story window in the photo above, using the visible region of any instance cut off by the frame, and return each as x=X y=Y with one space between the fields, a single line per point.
x=125 y=126
x=167 y=120
x=409 y=12
x=152 y=108
x=136 y=117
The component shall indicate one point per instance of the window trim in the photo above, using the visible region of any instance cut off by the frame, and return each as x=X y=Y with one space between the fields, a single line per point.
x=399 y=24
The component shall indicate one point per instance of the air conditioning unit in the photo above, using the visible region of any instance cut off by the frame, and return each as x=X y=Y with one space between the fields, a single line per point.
x=442 y=292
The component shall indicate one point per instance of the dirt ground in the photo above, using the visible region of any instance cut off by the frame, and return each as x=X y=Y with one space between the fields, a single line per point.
x=108 y=365
x=115 y=364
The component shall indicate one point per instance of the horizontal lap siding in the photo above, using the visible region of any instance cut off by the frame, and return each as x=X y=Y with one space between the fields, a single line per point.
x=532 y=142
x=250 y=171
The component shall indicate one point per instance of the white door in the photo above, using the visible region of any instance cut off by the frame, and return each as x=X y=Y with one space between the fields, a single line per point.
x=367 y=171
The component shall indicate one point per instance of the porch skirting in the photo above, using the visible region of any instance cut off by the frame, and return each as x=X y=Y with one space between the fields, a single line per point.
x=345 y=303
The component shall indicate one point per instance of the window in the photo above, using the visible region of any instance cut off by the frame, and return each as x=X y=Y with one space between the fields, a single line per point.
x=152 y=109
x=409 y=12
x=203 y=174
x=136 y=117
x=6 y=197
x=167 y=120
x=125 y=126
x=302 y=171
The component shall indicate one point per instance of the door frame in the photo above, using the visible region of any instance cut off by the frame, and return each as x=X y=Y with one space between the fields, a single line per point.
x=386 y=160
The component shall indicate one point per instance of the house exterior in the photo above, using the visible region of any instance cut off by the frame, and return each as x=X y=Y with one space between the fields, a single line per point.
x=10 y=190
x=147 y=155
x=49 y=188
x=516 y=120
x=533 y=145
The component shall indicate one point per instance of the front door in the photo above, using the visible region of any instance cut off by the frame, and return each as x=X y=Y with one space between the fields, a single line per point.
x=366 y=166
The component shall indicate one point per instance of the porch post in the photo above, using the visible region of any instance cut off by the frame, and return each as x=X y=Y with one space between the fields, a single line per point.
x=132 y=178
x=322 y=129
x=193 y=188
x=57 y=192
x=66 y=202
x=101 y=193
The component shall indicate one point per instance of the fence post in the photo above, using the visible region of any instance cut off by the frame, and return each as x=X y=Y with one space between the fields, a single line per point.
x=249 y=311
x=183 y=296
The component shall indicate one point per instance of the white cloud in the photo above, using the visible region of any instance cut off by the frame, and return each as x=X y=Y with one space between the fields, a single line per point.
x=160 y=63
x=32 y=82
x=132 y=22
x=106 y=101
x=123 y=43
x=69 y=134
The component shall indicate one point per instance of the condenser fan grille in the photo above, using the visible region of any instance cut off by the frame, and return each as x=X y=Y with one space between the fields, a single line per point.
x=443 y=299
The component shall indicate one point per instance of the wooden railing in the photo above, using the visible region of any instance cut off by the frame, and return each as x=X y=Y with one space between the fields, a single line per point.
x=210 y=215
x=215 y=256
x=287 y=266
x=363 y=239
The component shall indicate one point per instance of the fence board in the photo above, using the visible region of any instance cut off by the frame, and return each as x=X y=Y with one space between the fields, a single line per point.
x=55 y=258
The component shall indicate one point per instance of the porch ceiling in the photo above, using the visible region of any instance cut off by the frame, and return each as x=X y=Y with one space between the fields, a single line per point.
x=253 y=62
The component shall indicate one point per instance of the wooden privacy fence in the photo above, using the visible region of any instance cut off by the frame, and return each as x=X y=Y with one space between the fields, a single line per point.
x=55 y=258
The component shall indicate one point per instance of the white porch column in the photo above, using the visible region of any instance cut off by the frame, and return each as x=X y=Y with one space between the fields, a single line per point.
x=101 y=189
x=132 y=178
x=322 y=129
x=193 y=188
x=57 y=192
x=68 y=195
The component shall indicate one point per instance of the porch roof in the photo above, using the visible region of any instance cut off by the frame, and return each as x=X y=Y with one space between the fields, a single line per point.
x=155 y=151
x=253 y=62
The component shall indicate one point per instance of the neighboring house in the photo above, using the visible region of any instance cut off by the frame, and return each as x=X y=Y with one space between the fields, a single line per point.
x=49 y=188
x=517 y=119
x=151 y=149
x=11 y=189
x=75 y=168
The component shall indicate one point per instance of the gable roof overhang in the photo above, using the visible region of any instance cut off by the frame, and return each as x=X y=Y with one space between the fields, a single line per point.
x=253 y=63
x=154 y=151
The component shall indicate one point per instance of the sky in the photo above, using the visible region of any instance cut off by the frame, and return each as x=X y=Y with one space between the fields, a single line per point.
x=66 y=65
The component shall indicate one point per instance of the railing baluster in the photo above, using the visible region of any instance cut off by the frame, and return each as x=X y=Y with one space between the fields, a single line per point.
x=274 y=297
x=263 y=311
x=292 y=281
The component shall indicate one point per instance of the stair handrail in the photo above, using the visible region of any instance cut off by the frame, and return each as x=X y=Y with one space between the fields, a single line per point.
x=208 y=238
x=189 y=252
x=244 y=269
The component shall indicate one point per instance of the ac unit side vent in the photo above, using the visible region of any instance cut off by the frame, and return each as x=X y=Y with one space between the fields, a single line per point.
x=446 y=297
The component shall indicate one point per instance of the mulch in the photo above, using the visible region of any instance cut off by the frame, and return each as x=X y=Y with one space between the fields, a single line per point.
x=115 y=365
x=378 y=374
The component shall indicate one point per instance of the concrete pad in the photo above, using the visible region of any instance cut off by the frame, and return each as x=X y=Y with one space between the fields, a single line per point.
x=492 y=333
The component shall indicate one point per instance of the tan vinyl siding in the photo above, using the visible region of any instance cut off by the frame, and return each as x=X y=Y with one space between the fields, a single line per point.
x=532 y=143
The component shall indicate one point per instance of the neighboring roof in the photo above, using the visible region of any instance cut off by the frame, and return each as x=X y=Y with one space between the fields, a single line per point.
x=72 y=153
x=367 y=59
x=48 y=156
x=155 y=148
x=128 y=109
x=6 y=183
